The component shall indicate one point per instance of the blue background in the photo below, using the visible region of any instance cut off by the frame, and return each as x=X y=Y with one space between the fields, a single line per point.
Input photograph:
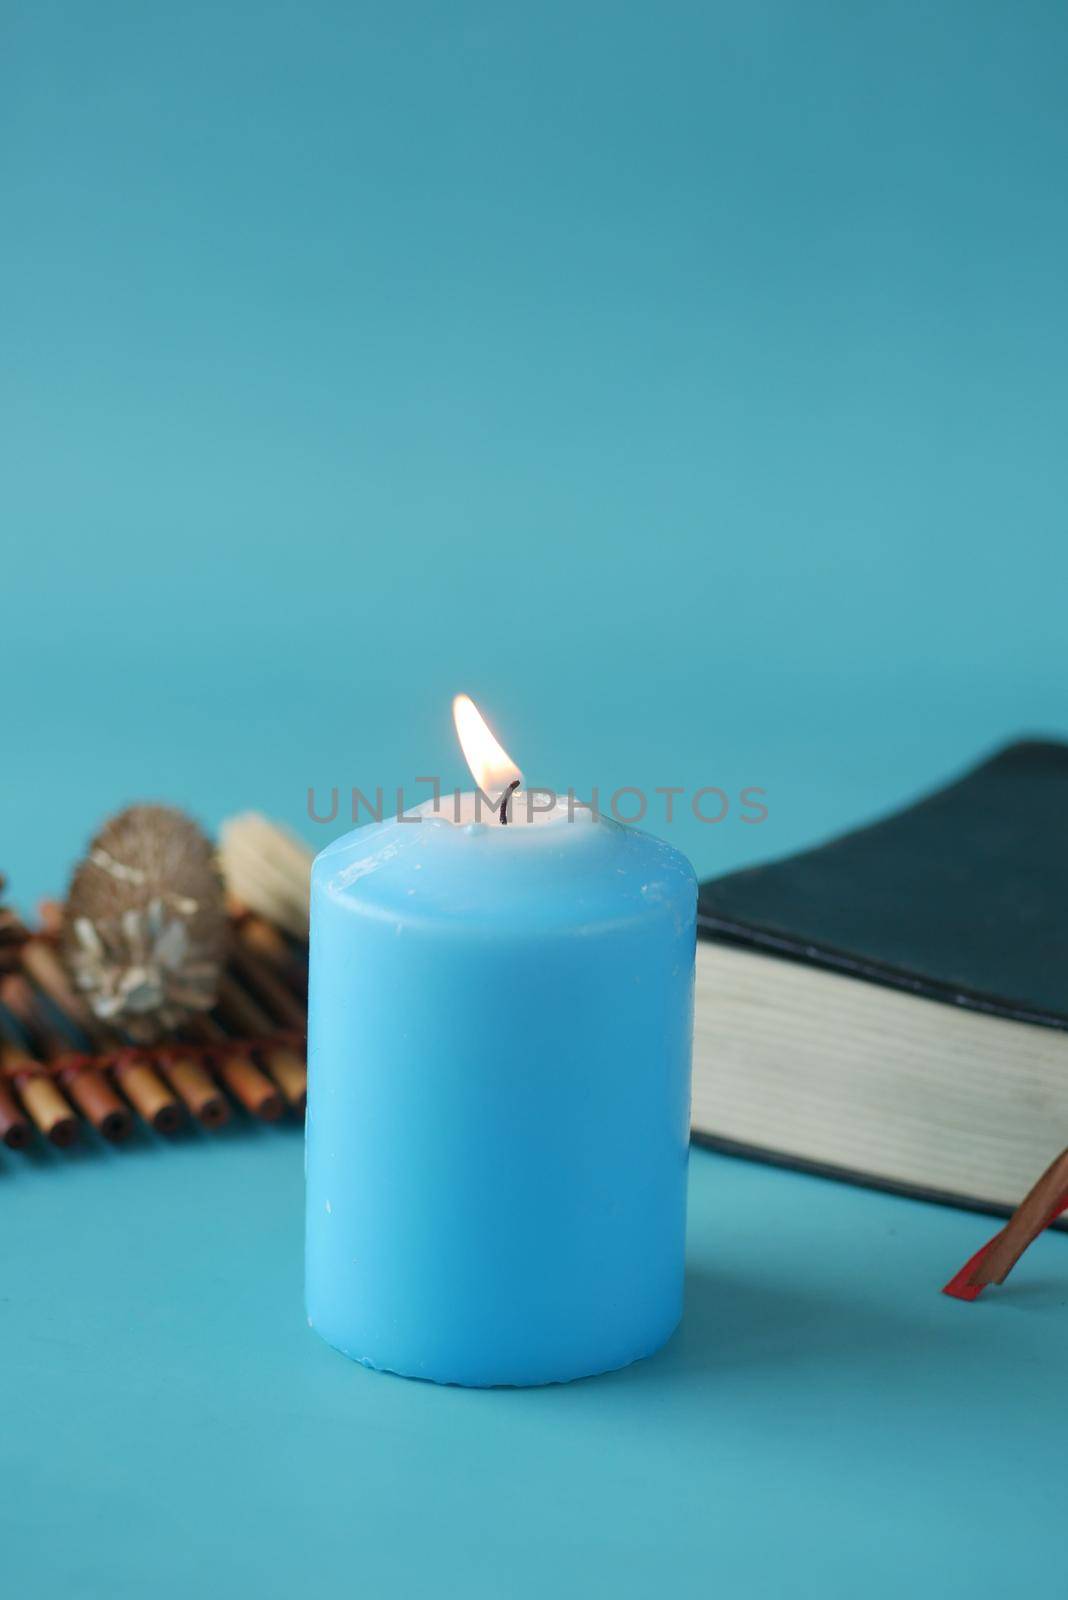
x=686 y=382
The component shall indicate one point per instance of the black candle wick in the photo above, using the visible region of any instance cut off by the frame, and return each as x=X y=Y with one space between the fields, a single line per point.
x=508 y=793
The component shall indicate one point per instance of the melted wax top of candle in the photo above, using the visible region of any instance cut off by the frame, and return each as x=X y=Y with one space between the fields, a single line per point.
x=577 y=871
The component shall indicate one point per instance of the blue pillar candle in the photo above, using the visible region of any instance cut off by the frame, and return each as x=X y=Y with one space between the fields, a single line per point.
x=499 y=1086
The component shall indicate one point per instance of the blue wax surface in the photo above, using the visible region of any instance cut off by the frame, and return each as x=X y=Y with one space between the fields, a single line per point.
x=499 y=1083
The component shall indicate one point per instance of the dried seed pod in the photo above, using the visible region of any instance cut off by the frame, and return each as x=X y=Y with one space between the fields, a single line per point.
x=145 y=932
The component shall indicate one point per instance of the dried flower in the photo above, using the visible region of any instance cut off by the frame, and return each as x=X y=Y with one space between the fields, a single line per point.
x=144 y=930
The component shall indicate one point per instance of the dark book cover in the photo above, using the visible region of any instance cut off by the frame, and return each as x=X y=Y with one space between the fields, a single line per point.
x=961 y=897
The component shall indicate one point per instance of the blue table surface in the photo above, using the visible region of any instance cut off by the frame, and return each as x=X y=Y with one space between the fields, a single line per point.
x=688 y=384
x=823 y=1423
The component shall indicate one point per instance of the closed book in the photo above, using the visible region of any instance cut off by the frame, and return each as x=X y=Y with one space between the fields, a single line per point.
x=891 y=1007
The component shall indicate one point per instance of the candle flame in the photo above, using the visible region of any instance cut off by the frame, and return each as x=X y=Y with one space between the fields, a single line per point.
x=491 y=766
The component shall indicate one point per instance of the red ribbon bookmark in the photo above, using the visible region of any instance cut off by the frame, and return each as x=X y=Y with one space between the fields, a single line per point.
x=992 y=1264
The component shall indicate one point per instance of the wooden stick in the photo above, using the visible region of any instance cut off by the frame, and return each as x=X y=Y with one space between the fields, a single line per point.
x=50 y=917
x=15 y=1128
x=1042 y=1204
x=289 y=1072
x=197 y=1088
x=245 y=1080
x=44 y=967
x=147 y=1093
x=272 y=946
x=97 y=1101
x=86 y=1085
x=241 y=1076
x=40 y=1098
x=241 y=1012
x=12 y=933
x=48 y=1109
x=263 y=979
